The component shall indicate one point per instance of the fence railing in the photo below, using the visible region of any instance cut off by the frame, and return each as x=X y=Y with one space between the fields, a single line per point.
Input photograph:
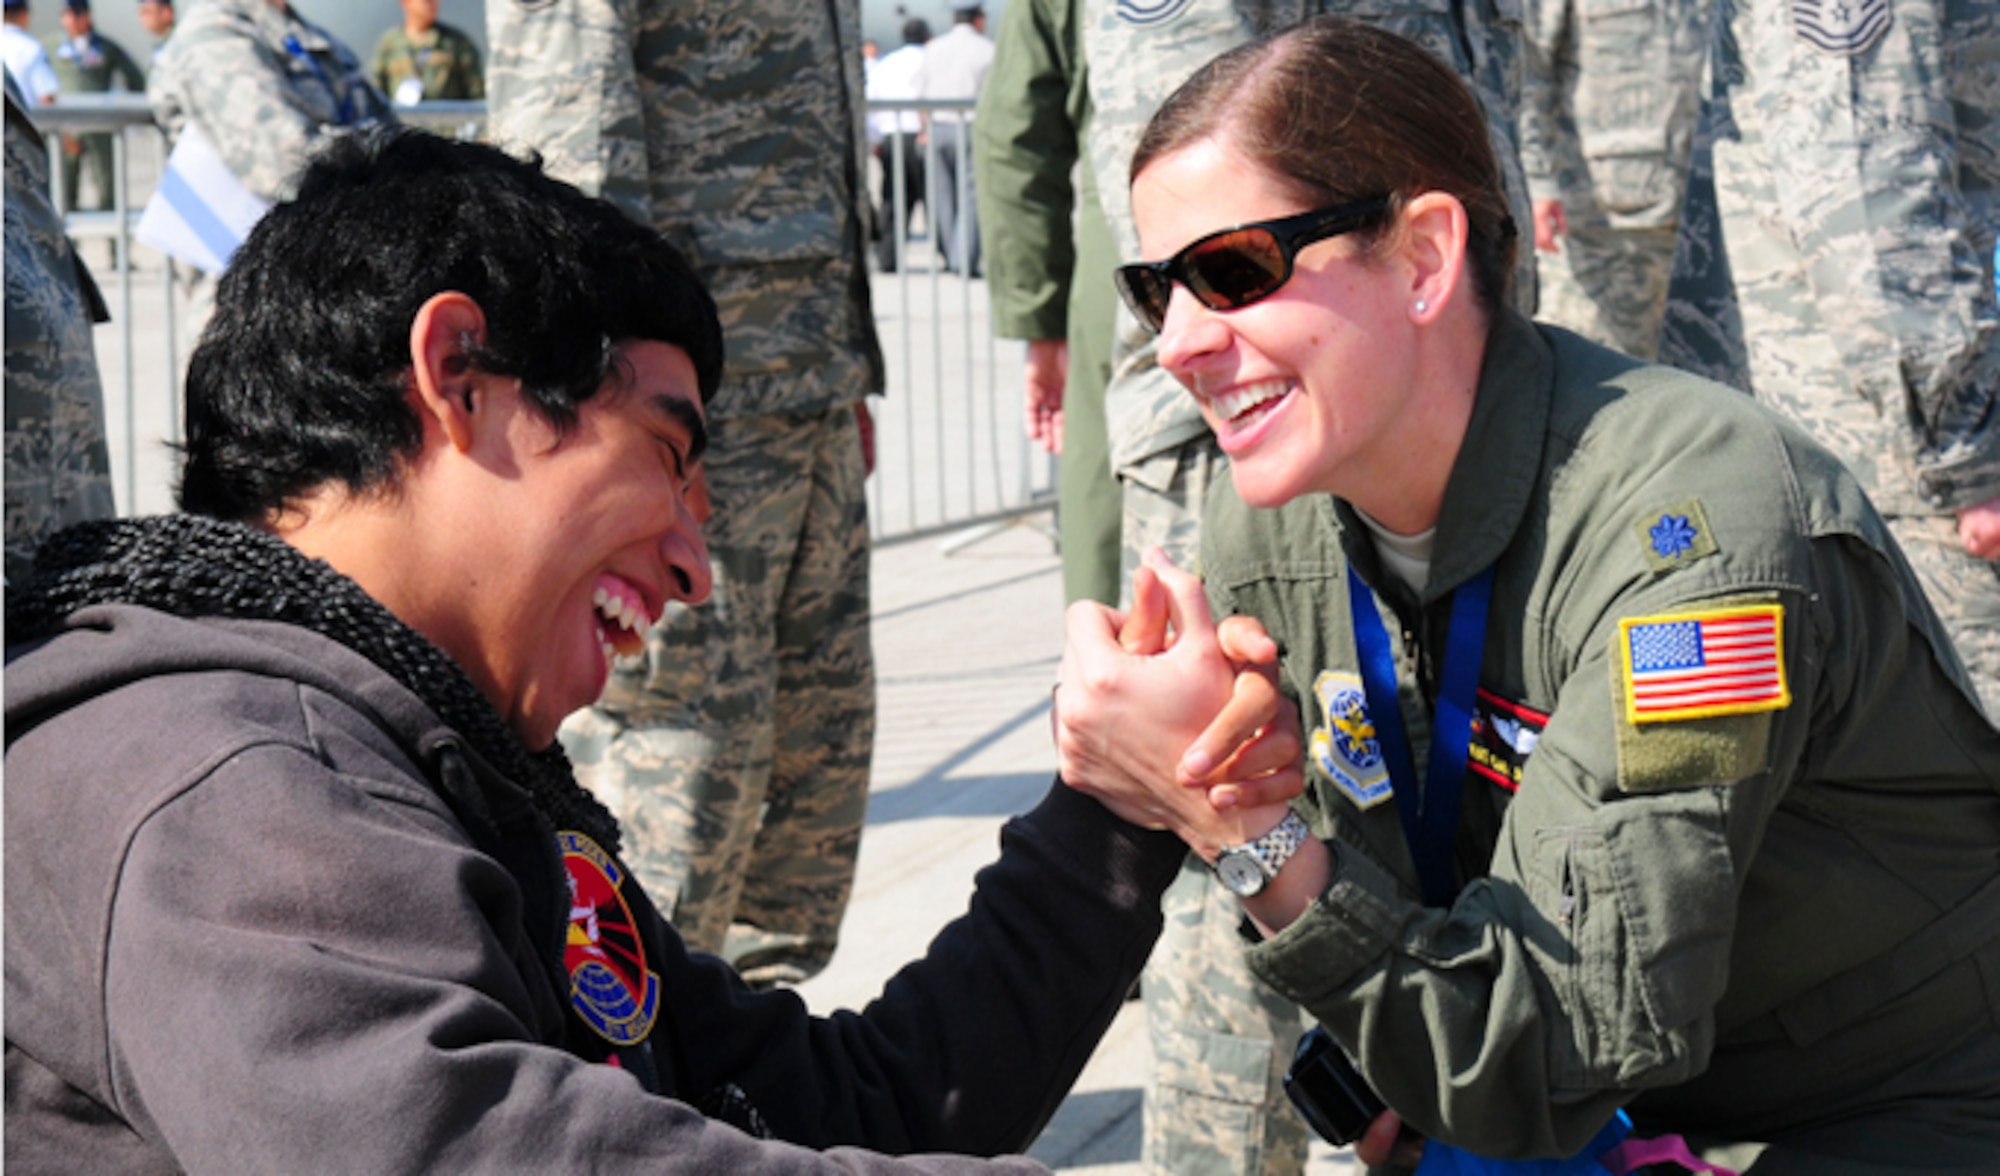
x=950 y=453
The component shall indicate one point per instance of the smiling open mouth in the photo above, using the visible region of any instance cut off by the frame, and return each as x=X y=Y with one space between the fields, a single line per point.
x=1241 y=406
x=622 y=627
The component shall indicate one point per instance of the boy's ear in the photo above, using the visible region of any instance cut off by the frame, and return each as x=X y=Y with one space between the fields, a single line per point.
x=444 y=388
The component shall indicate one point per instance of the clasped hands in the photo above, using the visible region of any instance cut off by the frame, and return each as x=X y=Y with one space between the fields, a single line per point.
x=1173 y=721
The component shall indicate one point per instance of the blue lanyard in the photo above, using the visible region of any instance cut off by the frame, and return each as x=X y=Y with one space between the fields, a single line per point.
x=344 y=97
x=1430 y=816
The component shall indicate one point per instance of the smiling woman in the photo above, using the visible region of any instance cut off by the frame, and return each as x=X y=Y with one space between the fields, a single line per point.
x=1657 y=646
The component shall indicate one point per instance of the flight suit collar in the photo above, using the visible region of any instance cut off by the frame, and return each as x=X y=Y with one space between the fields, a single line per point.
x=1487 y=494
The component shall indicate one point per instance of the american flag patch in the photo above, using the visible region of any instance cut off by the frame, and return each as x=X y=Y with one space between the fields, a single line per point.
x=1722 y=661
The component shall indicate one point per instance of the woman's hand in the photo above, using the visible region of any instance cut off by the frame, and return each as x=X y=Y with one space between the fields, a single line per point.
x=1385 y=1142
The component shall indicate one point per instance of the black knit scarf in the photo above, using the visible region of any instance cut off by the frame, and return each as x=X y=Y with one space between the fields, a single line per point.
x=195 y=567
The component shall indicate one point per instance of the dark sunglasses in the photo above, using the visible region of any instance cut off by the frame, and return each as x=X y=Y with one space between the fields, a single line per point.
x=1236 y=267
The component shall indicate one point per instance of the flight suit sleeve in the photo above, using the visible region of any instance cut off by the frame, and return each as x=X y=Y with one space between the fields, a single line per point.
x=1864 y=142
x=563 y=81
x=1025 y=145
x=1587 y=966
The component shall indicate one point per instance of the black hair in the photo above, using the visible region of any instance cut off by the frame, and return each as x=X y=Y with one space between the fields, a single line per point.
x=916 y=31
x=300 y=378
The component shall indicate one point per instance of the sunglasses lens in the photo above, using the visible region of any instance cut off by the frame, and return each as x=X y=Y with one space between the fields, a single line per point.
x=1147 y=291
x=1235 y=269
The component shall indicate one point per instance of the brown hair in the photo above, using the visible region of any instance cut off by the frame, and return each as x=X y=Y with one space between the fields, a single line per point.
x=1342 y=111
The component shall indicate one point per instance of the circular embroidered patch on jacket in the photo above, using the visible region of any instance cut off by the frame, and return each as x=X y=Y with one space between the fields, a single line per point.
x=609 y=983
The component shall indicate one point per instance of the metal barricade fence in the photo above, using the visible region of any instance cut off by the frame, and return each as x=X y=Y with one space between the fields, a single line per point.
x=951 y=457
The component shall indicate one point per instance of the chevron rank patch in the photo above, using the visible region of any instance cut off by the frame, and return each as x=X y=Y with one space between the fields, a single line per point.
x=1698 y=664
x=1841 y=28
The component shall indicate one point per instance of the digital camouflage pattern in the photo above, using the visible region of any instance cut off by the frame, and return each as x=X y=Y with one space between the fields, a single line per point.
x=58 y=468
x=1221 y=1040
x=443 y=60
x=749 y=159
x=92 y=69
x=264 y=105
x=1856 y=167
x=739 y=757
x=1609 y=95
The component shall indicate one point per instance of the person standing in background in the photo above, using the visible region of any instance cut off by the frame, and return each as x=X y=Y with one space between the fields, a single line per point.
x=1049 y=257
x=894 y=79
x=264 y=85
x=58 y=468
x=1856 y=196
x=1221 y=1038
x=422 y=60
x=87 y=62
x=736 y=753
x=1609 y=97
x=954 y=67
x=157 y=18
x=25 y=57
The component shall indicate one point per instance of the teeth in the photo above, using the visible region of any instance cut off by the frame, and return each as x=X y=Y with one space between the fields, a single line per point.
x=624 y=661
x=1232 y=404
x=600 y=597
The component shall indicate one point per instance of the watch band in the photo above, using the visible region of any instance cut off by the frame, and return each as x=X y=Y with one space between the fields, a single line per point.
x=1246 y=869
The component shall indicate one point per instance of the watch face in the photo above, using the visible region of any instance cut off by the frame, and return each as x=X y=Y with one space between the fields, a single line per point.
x=1240 y=873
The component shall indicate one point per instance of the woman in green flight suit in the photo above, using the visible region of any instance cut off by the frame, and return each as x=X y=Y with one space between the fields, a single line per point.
x=1639 y=772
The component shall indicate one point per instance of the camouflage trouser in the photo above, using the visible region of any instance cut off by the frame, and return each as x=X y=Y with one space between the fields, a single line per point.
x=1965 y=591
x=1221 y=1040
x=1609 y=285
x=737 y=757
x=1795 y=368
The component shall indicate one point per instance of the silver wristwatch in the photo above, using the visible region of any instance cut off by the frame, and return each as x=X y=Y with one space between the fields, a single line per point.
x=1247 y=869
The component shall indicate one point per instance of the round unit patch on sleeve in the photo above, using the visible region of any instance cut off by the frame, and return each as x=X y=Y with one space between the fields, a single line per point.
x=1703 y=663
x=609 y=984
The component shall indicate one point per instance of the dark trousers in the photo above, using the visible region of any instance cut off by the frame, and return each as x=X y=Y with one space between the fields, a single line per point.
x=888 y=243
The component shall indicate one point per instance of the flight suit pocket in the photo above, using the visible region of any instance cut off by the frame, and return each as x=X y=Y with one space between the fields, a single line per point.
x=1643 y=905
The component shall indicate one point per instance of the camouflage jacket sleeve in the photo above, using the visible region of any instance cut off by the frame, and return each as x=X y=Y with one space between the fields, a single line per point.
x=1026 y=139
x=1882 y=155
x=563 y=80
x=1550 y=152
x=58 y=468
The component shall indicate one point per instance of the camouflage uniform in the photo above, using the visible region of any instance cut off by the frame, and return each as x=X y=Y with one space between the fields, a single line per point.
x=1221 y=1041
x=1609 y=97
x=1049 y=257
x=1856 y=160
x=738 y=755
x=443 y=60
x=91 y=69
x=263 y=85
x=58 y=468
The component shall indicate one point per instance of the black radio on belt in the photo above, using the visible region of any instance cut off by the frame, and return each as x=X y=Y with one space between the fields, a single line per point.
x=1330 y=1094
